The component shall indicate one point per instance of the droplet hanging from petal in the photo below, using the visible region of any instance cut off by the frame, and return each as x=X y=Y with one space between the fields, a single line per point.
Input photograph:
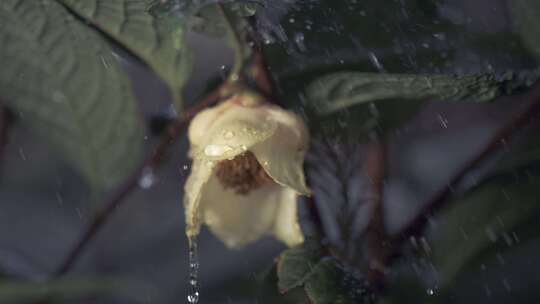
x=194 y=291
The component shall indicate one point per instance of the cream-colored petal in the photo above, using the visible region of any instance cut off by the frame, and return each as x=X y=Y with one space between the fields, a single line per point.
x=286 y=227
x=198 y=128
x=232 y=131
x=201 y=171
x=282 y=154
x=240 y=219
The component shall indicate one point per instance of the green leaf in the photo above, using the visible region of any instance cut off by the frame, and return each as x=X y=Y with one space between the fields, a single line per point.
x=385 y=101
x=484 y=220
x=296 y=264
x=244 y=9
x=157 y=41
x=63 y=80
x=525 y=13
x=228 y=21
x=329 y=283
x=73 y=289
x=218 y=19
x=527 y=154
x=342 y=90
x=324 y=279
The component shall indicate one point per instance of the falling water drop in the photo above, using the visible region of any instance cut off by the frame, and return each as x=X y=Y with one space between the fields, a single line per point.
x=375 y=61
x=147 y=179
x=194 y=293
x=22 y=154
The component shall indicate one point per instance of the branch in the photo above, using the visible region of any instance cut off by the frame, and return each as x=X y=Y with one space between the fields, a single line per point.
x=151 y=162
x=529 y=107
x=261 y=74
x=259 y=70
x=376 y=237
x=3 y=129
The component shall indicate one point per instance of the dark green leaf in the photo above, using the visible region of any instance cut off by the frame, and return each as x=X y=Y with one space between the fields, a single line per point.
x=268 y=292
x=157 y=41
x=63 y=80
x=383 y=102
x=483 y=220
x=295 y=265
x=72 y=289
x=525 y=13
x=221 y=20
x=520 y=156
x=244 y=9
x=342 y=90
x=227 y=20
x=329 y=283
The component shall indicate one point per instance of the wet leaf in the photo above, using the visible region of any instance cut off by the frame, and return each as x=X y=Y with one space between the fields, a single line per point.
x=73 y=289
x=342 y=90
x=244 y=9
x=329 y=283
x=227 y=21
x=268 y=292
x=296 y=264
x=484 y=220
x=525 y=13
x=157 y=41
x=520 y=156
x=383 y=102
x=325 y=281
x=62 y=80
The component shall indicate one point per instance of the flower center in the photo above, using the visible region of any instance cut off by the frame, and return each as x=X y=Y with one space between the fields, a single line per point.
x=242 y=173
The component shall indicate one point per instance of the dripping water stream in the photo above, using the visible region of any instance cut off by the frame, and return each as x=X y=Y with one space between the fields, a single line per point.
x=194 y=292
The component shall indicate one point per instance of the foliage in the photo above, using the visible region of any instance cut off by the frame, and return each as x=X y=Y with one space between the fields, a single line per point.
x=71 y=289
x=385 y=101
x=492 y=218
x=525 y=13
x=62 y=79
x=62 y=75
x=323 y=278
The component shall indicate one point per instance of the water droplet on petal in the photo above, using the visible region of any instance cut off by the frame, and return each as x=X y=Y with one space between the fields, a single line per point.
x=216 y=150
x=228 y=134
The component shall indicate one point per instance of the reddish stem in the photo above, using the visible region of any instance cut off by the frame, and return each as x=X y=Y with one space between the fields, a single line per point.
x=261 y=74
x=3 y=130
x=376 y=237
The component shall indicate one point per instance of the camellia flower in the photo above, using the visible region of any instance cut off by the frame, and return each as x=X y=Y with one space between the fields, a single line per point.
x=247 y=172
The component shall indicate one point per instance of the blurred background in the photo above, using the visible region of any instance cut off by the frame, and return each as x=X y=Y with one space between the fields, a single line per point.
x=44 y=202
